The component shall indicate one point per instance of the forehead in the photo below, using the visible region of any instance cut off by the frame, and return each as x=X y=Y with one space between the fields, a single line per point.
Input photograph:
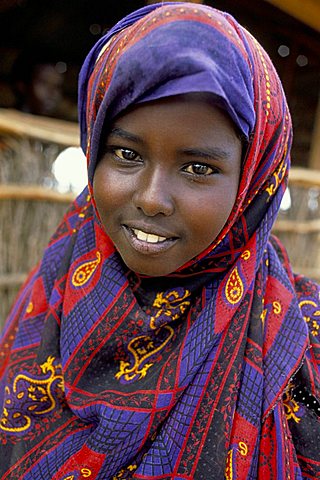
x=191 y=112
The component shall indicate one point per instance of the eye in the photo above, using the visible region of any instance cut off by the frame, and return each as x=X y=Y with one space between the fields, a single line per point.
x=199 y=169
x=126 y=154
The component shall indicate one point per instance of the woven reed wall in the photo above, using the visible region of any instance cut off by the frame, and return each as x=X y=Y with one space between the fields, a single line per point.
x=30 y=207
x=26 y=225
x=299 y=226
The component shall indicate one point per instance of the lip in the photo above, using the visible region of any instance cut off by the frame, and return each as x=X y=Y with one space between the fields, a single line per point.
x=151 y=229
x=148 y=248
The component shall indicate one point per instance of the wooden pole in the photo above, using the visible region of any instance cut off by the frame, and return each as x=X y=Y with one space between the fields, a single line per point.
x=304 y=176
x=47 y=129
x=33 y=192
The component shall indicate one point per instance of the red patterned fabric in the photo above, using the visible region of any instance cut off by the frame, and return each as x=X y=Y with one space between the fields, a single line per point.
x=210 y=372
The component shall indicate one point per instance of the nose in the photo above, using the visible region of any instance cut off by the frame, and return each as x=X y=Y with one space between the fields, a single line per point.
x=153 y=194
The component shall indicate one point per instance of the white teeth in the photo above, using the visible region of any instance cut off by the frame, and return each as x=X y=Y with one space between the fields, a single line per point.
x=148 y=237
x=141 y=235
x=154 y=238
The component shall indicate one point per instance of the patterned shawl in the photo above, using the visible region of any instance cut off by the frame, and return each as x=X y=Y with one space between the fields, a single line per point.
x=207 y=373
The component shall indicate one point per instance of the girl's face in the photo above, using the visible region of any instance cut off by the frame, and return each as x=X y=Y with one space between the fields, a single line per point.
x=167 y=181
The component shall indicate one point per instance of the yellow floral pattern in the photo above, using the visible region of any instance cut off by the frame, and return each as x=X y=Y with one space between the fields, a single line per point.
x=234 y=287
x=290 y=405
x=313 y=319
x=85 y=271
x=170 y=306
x=30 y=396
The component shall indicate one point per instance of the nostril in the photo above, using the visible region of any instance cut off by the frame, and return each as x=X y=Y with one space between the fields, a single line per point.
x=154 y=201
x=152 y=209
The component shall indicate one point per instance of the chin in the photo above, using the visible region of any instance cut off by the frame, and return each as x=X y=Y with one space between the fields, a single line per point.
x=148 y=270
x=151 y=273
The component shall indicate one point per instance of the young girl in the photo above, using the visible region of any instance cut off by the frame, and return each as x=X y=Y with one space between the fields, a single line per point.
x=164 y=335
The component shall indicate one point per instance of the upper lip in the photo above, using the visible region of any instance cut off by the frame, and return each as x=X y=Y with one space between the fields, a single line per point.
x=151 y=229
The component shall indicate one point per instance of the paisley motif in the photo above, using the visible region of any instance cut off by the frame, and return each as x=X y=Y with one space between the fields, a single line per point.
x=85 y=271
x=30 y=396
x=169 y=308
x=234 y=287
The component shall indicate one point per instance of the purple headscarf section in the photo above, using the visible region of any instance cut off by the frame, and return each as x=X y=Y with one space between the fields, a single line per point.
x=175 y=58
x=91 y=59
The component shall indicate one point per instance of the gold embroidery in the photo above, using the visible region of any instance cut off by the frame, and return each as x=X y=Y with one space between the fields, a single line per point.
x=266 y=75
x=315 y=328
x=315 y=323
x=263 y=316
x=277 y=176
x=86 y=472
x=276 y=307
x=243 y=449
x=290 y=405
x=29 y=307
x=229 y=470
x=246 y=255
x=143 y=347
x=166 y=304
x=130 y=468
x=234 y=287
x=37 y=393
x=85 y=271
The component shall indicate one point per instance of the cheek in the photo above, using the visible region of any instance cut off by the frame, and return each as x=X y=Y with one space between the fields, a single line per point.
x=112 y=197
x=208 y=215
x=103 y=192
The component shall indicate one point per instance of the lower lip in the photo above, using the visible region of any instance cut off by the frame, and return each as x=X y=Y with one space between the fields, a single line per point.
x=147 y=248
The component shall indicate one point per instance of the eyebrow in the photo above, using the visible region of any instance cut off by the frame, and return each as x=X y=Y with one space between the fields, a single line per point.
x=119 y=132
x=206 y=152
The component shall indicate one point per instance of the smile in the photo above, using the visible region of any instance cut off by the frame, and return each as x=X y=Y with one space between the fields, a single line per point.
x=148 y=243
x=148 y=237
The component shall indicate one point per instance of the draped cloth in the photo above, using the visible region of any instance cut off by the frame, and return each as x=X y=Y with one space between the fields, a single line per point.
x=209 y=372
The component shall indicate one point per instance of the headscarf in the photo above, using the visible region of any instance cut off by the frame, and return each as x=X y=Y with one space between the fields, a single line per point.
x=107 y=374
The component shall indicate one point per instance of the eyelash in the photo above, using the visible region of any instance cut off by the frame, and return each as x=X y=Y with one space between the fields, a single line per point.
x=201 y=165
x=119 y=151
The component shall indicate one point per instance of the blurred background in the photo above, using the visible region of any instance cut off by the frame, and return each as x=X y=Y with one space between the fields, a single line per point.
x=42 y=47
